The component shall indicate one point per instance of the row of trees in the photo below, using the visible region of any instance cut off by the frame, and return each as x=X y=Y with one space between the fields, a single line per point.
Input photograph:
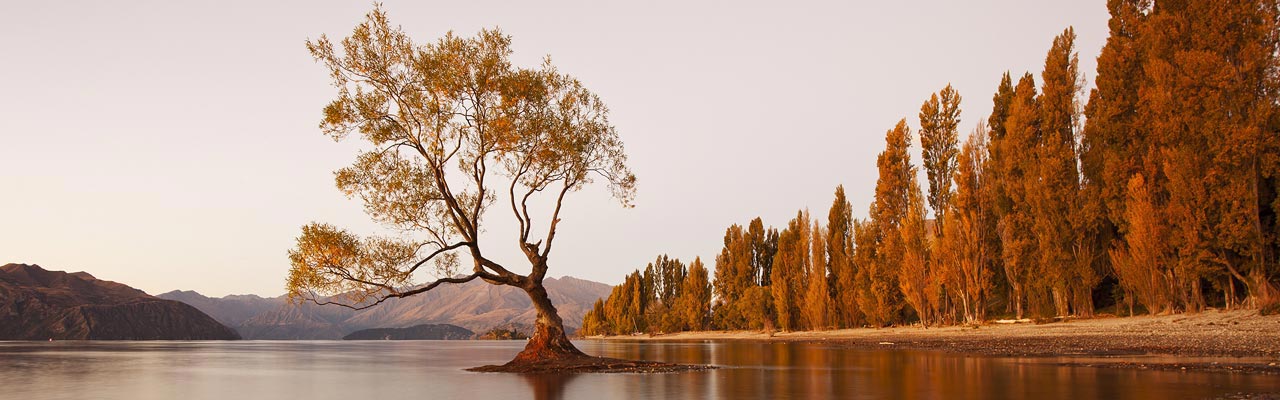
x=668 y=296
x=1160 y=193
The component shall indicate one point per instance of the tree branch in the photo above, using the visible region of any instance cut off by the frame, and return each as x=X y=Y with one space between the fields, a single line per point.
x=396 y=294
x=555 y=218
x=436 y=253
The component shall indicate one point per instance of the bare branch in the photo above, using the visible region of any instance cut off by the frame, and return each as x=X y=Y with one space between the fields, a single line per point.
x=392 y=295
x=435 y=253
x=555 y=219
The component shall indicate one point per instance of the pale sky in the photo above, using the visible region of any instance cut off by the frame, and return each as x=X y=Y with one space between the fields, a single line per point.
x=175 y=146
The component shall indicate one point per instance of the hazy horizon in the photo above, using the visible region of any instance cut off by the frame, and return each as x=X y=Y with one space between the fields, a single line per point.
x=175 y=147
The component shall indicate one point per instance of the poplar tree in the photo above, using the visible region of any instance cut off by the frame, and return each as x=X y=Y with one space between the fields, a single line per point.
x=734 y=278
x=997 y=199
x=968 y=252
x=789 y=266
x=879 y=296
x=1141 y=262
x=1116 y=147
x=818 y=304
x=1053 y=186
x=1015 y=168
x=914 y=277
x=694 y=303
x=845 y=313
x=764 y=245
x=939 y=142
x=865 y=252
x=595 y=322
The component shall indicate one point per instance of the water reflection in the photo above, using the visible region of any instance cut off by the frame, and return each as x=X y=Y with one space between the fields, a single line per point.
x=548 y=386
x=429 y=369
x=820 y=370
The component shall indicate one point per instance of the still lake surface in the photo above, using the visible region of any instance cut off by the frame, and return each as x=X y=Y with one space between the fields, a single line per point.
x=434 y=370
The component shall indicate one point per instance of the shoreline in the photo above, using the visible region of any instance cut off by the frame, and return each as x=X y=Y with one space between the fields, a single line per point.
x=1238 y=341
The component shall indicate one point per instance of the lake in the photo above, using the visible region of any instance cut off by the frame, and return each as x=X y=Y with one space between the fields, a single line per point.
x=434 y=370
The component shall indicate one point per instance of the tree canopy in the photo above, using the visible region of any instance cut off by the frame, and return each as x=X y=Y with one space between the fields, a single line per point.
x=451 y=129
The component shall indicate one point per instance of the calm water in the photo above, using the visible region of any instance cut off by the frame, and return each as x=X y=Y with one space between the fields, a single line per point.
x=433 y=370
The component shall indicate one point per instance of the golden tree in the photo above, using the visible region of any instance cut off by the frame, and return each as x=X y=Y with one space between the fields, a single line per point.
x=1060 y=218
x=914 y=275
x=788 y=273
x=1140 y=262
x=1018 y=132
x=967 y=254
x=693 y=307
x=881 y=247
x=939 y=144
x=733 y=279
x=1211 y=93
x=451 y=126
x=818 y=304
x=844 y=311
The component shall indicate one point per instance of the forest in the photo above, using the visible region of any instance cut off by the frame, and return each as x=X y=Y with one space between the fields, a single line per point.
x=1154 y=192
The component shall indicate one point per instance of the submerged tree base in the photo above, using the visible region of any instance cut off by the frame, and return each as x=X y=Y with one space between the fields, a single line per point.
x=588 y=364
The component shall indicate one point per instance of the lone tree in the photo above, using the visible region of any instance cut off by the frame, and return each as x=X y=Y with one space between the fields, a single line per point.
x=452 y=126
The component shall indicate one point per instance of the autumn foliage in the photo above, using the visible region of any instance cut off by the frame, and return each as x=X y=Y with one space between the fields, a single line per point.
x=1159 y=194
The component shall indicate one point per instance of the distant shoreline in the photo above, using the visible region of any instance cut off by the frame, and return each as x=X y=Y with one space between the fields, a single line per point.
x=1228 y=341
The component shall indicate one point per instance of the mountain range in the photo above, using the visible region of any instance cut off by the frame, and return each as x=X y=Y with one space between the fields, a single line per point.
x=475 y=305
x=37 y=304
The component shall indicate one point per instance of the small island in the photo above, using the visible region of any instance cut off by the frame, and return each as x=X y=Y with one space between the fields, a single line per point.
x=417 y=332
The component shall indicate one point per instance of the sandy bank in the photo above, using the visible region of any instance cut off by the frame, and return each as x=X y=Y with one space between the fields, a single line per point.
x=1236 y=340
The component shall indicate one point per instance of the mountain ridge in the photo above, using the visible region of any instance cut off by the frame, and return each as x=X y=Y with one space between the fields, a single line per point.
x=475 y=305
x=39 y=304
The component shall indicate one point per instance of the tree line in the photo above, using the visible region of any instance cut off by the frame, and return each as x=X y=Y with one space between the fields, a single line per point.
x=1158 y=194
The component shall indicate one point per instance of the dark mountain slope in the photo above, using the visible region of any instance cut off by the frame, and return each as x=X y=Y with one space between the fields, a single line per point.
x=36 y=304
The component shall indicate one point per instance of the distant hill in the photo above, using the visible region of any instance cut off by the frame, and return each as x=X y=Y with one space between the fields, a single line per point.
x=37 y=304
x=475 y=305
x=230 y=310
x=416 y=332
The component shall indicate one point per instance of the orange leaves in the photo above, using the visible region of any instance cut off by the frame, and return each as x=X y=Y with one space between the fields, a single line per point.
x=939 y=141
x=1141 y=262
x=329 y=261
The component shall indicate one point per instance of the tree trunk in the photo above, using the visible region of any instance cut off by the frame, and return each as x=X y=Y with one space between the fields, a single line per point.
x=1060 y=302
x=1197 y=298
x=549 y=342
x=1017 y=300
x=549 y=350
